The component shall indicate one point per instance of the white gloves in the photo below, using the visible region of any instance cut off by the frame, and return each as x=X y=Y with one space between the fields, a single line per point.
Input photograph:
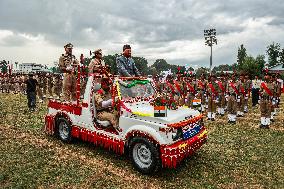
x=107 y=103
x=69 y=68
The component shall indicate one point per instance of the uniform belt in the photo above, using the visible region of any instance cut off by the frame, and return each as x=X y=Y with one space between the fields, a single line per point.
x=233 y=94
x=265 y=97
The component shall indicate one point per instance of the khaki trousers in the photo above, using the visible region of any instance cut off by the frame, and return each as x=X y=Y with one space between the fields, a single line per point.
x=69 y=87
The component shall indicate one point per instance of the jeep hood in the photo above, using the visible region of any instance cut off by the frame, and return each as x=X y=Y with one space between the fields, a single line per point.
x=145 y=111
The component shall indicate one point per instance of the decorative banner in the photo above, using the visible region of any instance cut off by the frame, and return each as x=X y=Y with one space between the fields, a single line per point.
x=134 y=82
x=143 y=114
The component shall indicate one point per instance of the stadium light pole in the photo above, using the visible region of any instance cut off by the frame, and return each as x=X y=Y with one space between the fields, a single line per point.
x=210 y=40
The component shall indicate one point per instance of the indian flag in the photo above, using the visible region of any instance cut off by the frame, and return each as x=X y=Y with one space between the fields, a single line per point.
x=160 y=111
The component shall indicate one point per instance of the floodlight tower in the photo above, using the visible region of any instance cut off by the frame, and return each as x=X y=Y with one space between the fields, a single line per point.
x=210 y=40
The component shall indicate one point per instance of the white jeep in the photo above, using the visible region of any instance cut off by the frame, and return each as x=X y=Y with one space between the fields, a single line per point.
x=150 y=141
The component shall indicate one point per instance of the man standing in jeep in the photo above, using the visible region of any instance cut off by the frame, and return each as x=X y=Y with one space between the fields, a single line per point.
x=67 y=65
x=125 y=64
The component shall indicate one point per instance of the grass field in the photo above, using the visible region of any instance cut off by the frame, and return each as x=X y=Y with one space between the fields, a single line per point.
x=236 y=156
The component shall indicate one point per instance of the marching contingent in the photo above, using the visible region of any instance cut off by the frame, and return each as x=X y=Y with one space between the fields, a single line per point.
x=211 y=95
x=224 y=94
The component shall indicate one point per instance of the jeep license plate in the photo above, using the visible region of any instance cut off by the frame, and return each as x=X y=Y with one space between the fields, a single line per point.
x=189 y=132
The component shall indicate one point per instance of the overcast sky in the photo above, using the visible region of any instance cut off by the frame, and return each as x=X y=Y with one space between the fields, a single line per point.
x=37 y=30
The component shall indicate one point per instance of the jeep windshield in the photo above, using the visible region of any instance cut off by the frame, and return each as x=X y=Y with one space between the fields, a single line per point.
x=136 y=88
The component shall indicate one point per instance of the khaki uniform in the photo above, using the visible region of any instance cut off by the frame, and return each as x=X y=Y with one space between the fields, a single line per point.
x=248 y=86
x=232 y=103
x=23 y=85
x=275 y=98
x=202 y=84
x=241 y=98
x=179 y=91
x=17 y=85
x=191 y=91
x=1 y=84
x=5 y=84
x=95 y=65
x=222 y=100
x=213 y=97
x=105 y=114
x=11 y=84
x=265 y=103
x=83 y=85
x=50 y=85
x=69 y=81
x=44 y=87
x=40 y=87
x=57 y=86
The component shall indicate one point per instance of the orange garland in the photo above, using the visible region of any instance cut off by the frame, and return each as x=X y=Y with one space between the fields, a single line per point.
x=185 y=122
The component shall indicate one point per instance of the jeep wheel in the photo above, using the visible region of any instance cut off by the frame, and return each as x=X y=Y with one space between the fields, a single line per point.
x=144 y=155
x=64 y=130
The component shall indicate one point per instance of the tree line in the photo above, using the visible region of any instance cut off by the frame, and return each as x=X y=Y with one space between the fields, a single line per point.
x=255 y=65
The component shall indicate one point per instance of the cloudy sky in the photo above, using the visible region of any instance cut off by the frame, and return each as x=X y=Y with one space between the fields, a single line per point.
x=37 y=30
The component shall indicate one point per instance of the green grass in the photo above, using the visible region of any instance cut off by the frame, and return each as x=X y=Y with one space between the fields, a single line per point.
x=236 y=156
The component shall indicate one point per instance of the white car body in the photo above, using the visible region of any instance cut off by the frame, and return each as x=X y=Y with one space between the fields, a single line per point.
x=139 y=121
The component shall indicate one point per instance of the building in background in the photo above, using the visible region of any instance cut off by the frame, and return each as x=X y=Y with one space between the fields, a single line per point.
x=26 y=68
x=277 y=69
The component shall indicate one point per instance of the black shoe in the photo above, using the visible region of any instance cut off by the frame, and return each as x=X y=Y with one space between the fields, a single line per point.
x=212 y=119
x=266 y=127
x=272 y=120
x=239 y=116
x=222 y=115
x=208 y=119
